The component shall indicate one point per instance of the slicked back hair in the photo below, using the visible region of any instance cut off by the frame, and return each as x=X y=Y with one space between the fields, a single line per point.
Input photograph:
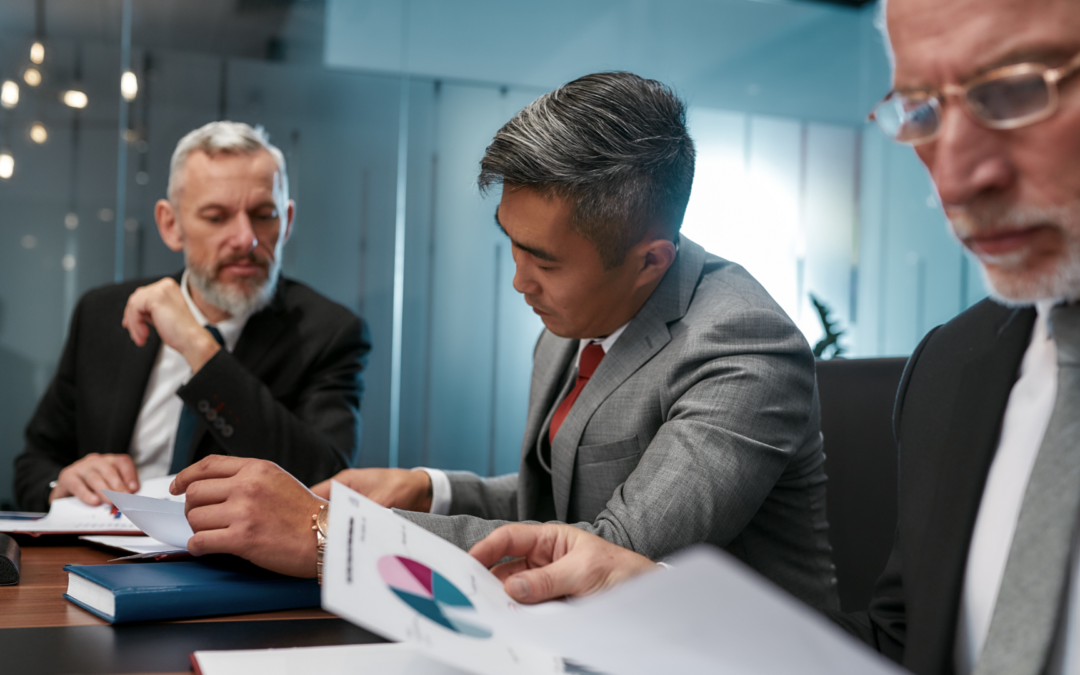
x=614 y=146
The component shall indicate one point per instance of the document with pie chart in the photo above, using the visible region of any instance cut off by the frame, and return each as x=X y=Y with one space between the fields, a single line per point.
x=396 y=579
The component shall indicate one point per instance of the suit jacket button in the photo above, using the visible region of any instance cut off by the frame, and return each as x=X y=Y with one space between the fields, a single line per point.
x=226 y=431
x=220 y=423
x=203 y=406
x=211 y=414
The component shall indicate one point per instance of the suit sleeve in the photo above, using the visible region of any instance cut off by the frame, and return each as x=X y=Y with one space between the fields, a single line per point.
x=314 y=437
x=51 y=439
x=738 y=405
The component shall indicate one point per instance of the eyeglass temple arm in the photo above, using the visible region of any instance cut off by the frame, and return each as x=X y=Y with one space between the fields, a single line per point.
x=1061 y=72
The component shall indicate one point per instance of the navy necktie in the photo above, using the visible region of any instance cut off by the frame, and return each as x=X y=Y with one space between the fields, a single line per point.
x=186 y=428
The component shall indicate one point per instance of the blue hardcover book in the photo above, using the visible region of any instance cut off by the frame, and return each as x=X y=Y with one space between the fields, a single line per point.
x=176 y=590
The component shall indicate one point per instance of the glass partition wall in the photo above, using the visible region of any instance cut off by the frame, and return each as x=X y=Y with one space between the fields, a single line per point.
x=383 y=109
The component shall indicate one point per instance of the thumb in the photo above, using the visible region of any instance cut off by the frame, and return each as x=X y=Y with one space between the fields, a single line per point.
x=559 y=579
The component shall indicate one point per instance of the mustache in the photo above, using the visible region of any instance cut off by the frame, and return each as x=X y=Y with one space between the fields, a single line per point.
x=250 y=257
x=993 y=217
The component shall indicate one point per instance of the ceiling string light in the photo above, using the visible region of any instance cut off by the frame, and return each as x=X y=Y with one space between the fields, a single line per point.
x=38 y=133
x=37 y=52
x=9 y=94
x=7 y=164
x=129 y=86
x=32 y=76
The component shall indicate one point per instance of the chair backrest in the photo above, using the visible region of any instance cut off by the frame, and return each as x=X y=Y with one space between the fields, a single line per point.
x=860 y=458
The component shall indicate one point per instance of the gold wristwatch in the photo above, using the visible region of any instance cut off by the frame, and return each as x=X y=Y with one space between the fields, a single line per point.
x=322 y=529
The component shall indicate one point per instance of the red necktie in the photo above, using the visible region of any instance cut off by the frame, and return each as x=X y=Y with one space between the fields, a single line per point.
x=590 y=359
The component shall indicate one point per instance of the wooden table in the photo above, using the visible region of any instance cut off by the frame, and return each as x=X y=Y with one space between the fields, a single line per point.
x=41 y=632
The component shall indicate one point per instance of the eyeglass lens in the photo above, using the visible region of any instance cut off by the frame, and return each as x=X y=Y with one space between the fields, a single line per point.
x=997 y=102
x=1010 y=98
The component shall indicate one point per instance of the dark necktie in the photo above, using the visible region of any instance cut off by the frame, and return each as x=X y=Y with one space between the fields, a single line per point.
x=1033 y=588
x=186 y=428
x=590 y=359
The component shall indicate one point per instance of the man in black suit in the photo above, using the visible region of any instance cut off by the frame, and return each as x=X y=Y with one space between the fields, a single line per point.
x=225 y=358
x=983 y=573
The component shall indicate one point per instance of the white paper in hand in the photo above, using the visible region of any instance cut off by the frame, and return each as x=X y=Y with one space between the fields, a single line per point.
x=162 y=519
x=392 y=577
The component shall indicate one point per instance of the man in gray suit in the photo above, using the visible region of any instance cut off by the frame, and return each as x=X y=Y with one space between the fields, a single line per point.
x=672 y=400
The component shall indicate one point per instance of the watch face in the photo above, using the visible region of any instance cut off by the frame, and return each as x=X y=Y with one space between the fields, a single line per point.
x=323 y=521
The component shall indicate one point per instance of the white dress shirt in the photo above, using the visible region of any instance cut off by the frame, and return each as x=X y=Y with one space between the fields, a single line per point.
x=1027 y=415
x=440 y=482
x=155 y=429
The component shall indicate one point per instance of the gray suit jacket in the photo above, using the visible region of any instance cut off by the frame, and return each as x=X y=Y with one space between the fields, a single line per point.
x=701 y=424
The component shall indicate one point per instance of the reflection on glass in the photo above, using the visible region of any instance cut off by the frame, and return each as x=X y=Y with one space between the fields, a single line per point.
x=129 y=86
x=38 y=133
x=7 y=165
x=9 y=94
x=74 y=98
x=32 y=77
x=37 y=52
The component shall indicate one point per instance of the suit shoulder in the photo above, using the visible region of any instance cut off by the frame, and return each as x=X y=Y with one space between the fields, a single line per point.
x=728 y=297
x=110 y=296
x=980 y=324
x=313 y=305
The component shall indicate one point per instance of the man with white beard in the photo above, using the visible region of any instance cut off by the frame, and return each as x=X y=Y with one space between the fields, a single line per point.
x=984 y=576
x=224 y=358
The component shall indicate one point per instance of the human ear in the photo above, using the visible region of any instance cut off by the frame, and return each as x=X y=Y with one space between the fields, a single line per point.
x=654 y=258
x=168 y=224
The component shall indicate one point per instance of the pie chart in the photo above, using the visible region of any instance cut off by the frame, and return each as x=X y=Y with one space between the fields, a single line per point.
x=430 y=594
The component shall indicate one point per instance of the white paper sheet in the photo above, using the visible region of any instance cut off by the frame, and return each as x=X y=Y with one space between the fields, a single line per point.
x=707 y=614
x=137 y=545
x=162 y=519
x=69 y=514
x=381 y=659
x=395 y=578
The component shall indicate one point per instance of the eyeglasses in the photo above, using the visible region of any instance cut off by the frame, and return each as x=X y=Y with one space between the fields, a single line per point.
x=1004 y=98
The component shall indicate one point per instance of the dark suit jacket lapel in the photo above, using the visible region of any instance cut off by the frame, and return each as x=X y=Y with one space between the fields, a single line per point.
x=133 y=372
x=966 y=455
x=643 y=338
x=259 y=335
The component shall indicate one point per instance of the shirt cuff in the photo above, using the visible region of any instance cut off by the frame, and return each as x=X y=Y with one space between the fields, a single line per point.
x=663 y=565
x=440 y=490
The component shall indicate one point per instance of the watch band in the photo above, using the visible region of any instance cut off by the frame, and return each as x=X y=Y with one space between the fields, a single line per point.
x=321 y=525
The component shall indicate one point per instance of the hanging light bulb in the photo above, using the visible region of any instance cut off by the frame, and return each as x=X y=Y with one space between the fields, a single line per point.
x=9 y=94
x=32 y=76
x=73 y=98
x=7 y=164
x=38 y=133
x=129 y=85
x=37 y=52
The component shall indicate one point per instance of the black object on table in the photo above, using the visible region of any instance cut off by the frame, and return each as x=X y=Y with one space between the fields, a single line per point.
x=10 y=555
x=159 y=647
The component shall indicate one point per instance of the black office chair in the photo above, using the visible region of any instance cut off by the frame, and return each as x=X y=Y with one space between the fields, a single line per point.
x=857 y=398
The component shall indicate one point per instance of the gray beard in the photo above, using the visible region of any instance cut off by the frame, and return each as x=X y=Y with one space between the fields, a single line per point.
x=1018 y=290
x=234 y=300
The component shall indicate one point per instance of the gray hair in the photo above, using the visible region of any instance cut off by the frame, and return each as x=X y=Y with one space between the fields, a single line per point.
x=224 y=137
x=613 y=145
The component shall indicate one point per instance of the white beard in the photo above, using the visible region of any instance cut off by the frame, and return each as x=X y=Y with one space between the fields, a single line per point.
x=1008 y=283
x=235 y=300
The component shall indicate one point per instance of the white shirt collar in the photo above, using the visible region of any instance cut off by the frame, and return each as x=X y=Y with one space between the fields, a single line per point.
x=230 y=328
x=605 y=343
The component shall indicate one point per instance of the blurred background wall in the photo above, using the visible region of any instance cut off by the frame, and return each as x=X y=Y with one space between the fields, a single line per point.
x=383 y=109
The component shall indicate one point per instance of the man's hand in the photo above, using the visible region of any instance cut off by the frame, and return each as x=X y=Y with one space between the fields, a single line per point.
x=555 y=561
x=392 y=488
x=251 y=508
x=90 y=475
x=162 y=305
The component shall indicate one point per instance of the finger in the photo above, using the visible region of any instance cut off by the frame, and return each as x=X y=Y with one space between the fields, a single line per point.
x=502 y=571
x=96 y=482
x=135 y=318
x=559 y=579
x=110 y=473
x=209 y=491
x=213 y=541
x=125 y=465
x=516 y=540
x=78 y=487
x=322 y=490
x=211 y=517
x=214 y=466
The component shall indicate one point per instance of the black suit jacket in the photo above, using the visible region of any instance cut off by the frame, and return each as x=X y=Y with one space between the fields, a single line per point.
x=289 y=392
x=947 y=422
